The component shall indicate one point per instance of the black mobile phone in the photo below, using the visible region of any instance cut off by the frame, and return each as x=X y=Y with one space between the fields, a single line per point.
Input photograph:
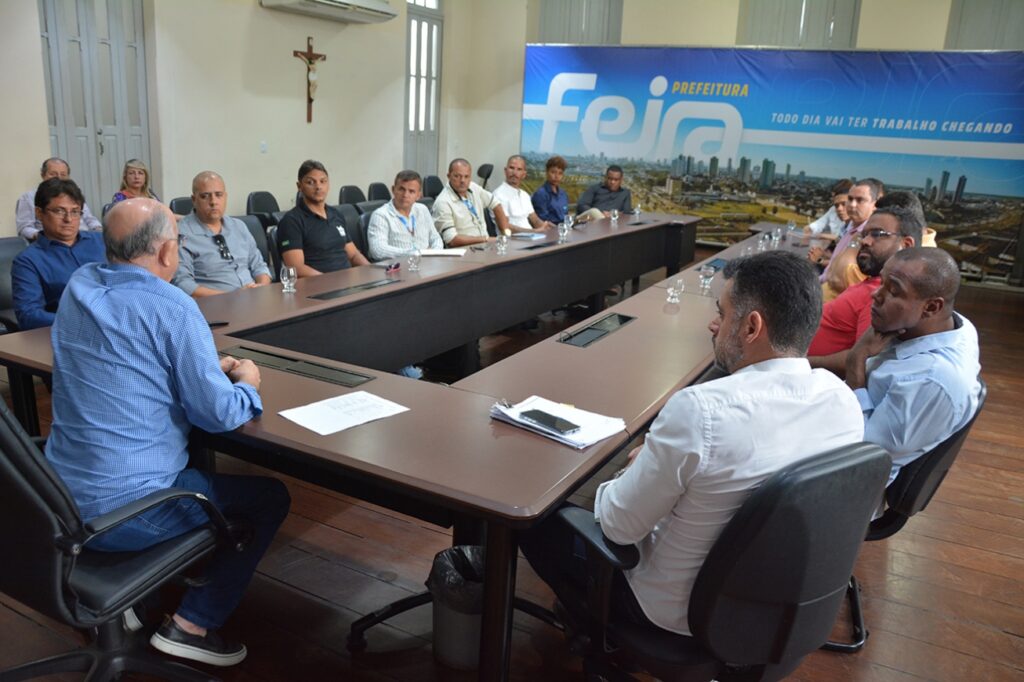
x=718 y=263
x=549 y=421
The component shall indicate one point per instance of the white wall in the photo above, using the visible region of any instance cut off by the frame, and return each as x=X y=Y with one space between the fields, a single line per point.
x=25 y=136
x=903 y=25
x=680 y=22
x=482 y=84
x=223 y=79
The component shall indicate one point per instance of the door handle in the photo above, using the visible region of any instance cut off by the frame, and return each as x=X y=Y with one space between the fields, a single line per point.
x=101 y=147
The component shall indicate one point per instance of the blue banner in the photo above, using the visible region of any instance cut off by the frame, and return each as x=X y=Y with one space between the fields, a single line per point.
x=764 y=133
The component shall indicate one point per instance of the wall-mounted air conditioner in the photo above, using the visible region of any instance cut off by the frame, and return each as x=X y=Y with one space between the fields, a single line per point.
x=349 y=11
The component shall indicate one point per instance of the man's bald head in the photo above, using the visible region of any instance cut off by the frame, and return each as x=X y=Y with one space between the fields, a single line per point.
x=937 y=275
x=206 y=176
x=135 y=229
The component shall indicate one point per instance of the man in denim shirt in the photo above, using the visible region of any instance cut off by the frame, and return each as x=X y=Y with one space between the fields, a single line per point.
x=550 y=202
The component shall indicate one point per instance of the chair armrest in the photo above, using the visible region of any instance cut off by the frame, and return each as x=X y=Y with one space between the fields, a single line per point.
x=622 y=557
x=102 y=524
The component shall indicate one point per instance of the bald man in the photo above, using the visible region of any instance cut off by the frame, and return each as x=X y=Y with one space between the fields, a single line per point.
x=134 y=369
x=915 y=370
x=218 y=253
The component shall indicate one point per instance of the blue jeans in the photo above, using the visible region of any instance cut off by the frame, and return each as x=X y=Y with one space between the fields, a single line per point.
x=260 y=502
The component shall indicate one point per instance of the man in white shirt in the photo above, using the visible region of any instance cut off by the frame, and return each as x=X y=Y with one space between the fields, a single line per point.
x=459 y=208
x=713 y=443
x=516 y=202
x=29 y=226
x=402 y=225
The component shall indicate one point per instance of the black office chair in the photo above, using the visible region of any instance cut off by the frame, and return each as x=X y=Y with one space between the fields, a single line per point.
x=427 y=201
x=484 y=173
x=9 y=248
x=913 y=489
x=53 y=571
x=180 y=205
x=107 y=207
x=369 y=206
x=432 y=186
x=361 y=236
x=378 y=190
x=275 y=251
x=259 y=233
x=350 y=194
x=350 y=218
x=770 y=588
x=264 y=206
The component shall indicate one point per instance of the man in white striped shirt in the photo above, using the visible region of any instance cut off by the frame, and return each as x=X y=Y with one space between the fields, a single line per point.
x=402 y=225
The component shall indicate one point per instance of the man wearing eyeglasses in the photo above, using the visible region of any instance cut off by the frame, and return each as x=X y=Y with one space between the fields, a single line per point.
x=217 y=253
x=29 y=226
x=845 y=319
x=40 y=272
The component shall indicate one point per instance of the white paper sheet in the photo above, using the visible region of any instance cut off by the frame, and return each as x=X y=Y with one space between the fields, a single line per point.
x=342 y=412
x=593 y=427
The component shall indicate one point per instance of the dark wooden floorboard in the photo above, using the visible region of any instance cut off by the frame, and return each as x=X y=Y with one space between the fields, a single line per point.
x=944 y=598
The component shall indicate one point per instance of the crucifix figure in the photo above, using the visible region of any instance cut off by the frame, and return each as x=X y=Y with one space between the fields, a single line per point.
x=310 y=59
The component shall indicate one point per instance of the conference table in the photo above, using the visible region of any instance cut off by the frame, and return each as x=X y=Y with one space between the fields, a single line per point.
x=444 y=459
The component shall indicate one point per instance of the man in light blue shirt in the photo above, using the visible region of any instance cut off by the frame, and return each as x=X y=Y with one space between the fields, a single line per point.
x=217 y=253
x=915 y=371
x=402 y=225
x=134 y=369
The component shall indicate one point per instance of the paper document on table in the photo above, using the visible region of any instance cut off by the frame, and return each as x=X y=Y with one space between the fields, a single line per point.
x=592 y=427
x=530 y=236
x=342 y=412
x=442 y=252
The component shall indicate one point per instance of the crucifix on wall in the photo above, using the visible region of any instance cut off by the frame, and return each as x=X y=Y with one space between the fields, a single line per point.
x=310 y=59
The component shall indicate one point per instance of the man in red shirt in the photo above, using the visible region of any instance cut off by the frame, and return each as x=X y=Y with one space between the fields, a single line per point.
x=843 y=320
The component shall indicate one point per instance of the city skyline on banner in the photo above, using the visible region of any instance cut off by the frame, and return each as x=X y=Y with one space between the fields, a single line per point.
x=740 y=135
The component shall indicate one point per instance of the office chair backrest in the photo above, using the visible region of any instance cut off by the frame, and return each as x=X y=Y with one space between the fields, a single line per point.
x=36 y=512
x=378 y=190
x=361 y=237
x=350 y=217
x=772 y=584
x=259 y=233
x=369 y=206
x=427 y=201
x=484 y=173
x=916 y=483
x=275 y=252
x=9 y=248
x=350 y=194
x=261 y=202
x=181 y=205
x=432 y=186
x=107 y=207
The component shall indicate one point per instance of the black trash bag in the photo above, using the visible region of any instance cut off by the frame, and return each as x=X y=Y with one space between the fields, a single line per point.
x=457 y=578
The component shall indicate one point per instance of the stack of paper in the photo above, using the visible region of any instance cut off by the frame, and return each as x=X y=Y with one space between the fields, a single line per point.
x=530 y=236
x=442 y=252
x=593 y=427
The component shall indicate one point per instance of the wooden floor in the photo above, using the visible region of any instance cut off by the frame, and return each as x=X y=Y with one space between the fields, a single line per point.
x=944 y=598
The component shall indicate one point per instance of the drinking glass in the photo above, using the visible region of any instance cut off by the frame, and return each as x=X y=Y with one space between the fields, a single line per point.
x=777 y=236
x=570 y=220
x=413 y=264
x=615 y=216
x=706 y=273
x=763 y=241
x=675 y=290
x=288 y=277
x=563 y=232
x=501 y=244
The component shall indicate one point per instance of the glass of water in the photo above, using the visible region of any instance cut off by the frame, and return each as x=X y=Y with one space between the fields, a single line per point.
x=570 y=220
x=777 y=234
x=563 y=232
x=288 y=277
x=675 y=290
x=706 y=274
x=501 y=244
x=615 y=216
x=413 y=264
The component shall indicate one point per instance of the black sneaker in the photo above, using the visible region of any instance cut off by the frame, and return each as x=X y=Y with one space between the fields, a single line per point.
x=210 y=649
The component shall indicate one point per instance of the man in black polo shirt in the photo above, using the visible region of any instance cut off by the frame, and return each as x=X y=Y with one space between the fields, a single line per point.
x=598 y=200
x=311 y=237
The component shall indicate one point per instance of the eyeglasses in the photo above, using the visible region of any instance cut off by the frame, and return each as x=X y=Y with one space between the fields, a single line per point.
x=64 y=214
x=878 y=234
x=181 y=240
x=222 y=246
